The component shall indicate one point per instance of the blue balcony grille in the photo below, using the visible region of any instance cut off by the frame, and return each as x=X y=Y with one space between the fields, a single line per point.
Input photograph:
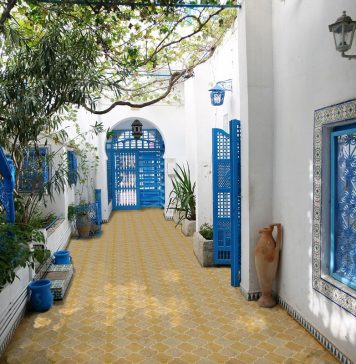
x=34 y=175
x=72 y=168
x=343 y=205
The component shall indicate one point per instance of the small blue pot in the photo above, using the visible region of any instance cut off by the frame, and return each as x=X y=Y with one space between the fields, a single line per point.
x=62 y=257
x=41 y=296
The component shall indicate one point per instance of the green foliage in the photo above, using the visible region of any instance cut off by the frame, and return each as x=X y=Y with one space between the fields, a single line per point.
x=15 y=250
x=206 y=231
x=75 y=211
x=182 y=196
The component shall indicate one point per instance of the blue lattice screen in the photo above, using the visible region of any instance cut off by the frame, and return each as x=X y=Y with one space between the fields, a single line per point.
x=221 y=197
x=35 y=171
x=343 y=205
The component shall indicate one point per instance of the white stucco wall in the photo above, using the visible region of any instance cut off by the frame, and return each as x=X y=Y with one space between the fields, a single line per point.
x=202 y=117
x=308 y=75
x=288 y=69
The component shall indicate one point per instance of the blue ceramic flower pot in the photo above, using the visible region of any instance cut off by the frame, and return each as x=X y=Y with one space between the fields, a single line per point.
x=41 y=296
x=62 y=257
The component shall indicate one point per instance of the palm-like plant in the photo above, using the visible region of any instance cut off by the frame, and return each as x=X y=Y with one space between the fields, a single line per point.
x=182 y=196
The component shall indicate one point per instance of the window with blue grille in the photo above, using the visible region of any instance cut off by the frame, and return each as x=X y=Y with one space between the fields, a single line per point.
x=34 y=175
x=72 y=168
x=343 y=205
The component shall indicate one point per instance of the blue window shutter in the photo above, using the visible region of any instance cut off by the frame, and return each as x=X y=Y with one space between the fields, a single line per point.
x=72 y=168
x=33 y=178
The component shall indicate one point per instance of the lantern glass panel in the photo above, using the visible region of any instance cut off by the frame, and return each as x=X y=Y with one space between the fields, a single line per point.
x=217 y=97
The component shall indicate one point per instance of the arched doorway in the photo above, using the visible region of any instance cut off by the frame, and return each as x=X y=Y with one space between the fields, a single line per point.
x=135 y=169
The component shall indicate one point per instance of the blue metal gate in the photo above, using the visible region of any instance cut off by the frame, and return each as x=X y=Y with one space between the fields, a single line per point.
x=227 y=199
x=136 y=170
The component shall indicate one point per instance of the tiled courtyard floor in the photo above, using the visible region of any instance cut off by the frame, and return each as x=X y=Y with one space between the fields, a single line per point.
x=140 y=296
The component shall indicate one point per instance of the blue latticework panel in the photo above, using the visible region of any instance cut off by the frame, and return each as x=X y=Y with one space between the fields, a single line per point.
x=35 y=170
x=7 y=183
x=235 y=154
x=125 y=180
x=151 y=178
x=72 y=168
x=221 y=197
x=343 y=205
x=136 y=169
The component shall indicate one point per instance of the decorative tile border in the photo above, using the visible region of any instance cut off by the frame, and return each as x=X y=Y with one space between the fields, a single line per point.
x=313 y=331
x=328 y=345
x=250 y=296
x=333 y=290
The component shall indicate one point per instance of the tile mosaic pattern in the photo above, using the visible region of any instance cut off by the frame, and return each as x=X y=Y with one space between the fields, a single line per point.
x=140 y=296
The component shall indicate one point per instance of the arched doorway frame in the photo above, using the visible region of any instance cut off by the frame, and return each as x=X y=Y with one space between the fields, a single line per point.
x=136 y=172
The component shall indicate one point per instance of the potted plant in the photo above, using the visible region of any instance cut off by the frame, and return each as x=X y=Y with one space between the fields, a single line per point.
x=182 y=199
x=203 y=245
x=80 y=214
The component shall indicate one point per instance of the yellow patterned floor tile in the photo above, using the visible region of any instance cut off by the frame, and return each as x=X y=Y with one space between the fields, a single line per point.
x=140 y=296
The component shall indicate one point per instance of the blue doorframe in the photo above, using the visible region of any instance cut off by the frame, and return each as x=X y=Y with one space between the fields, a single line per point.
x=135 y=170
x=235 y=160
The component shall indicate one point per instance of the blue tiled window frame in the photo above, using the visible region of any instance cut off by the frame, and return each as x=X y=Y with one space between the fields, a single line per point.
x=327 y=120
x=336 y=132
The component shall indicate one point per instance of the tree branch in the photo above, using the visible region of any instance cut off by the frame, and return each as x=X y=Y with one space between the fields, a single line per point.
x=6 y=13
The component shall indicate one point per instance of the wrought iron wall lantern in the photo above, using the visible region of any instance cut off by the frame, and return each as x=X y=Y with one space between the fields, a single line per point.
x=136 y=129
x=217 y=93
x=343 y=30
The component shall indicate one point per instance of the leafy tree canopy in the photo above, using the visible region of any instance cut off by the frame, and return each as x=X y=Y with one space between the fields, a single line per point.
x=130 y=55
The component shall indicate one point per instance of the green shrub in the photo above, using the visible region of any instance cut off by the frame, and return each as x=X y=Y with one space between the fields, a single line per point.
x=15 y=250
x=206 y=231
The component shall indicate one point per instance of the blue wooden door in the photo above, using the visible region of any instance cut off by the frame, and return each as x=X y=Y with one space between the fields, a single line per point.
x=227 y=199
x=221 y=197
x=151 y=177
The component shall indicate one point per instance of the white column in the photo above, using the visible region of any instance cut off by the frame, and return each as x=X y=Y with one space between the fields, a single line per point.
x=256 y=99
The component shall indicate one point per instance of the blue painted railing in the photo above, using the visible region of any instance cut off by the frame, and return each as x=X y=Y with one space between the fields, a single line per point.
x=7 y=171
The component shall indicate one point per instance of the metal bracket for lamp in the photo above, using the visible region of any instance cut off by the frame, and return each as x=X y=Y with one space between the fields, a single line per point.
x=217 y=93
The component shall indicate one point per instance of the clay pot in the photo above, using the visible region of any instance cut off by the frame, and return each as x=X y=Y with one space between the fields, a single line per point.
x=266 y=261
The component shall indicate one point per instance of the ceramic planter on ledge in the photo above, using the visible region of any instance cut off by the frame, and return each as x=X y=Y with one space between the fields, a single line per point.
x=188 y=227
x=203 y=250
x=178 y=216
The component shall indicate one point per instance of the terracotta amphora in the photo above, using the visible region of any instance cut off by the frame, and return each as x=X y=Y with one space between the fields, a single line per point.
x=266 y=261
